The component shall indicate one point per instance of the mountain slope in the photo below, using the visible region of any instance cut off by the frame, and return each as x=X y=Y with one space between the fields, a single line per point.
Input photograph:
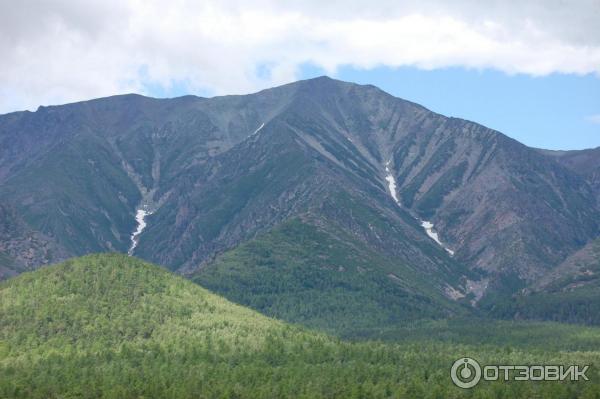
x=215 y=173
x=78 y=172
x=320 y=277
x=21 y=248
x=569 y=293
x=581 y=267
x=585 y=163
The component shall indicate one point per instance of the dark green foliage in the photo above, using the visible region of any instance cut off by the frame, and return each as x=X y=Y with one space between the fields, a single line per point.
x=109 y=326
x=578 y=306
x=301 y=274
x=6 y=260
x=532 y=336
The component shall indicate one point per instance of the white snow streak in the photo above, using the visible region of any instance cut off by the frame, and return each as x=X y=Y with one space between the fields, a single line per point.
x=258 y=130
x=391 y=182
x=428 y=226
x=139 y=218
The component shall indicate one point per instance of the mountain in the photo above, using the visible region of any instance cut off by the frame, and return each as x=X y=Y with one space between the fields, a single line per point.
x=584 y=264
x=22 y=248
x=585 y=163
x=569 y=293
x=112 y=326
x=422 y=214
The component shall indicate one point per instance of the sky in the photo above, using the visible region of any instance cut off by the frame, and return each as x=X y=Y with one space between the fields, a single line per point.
x=528 y=68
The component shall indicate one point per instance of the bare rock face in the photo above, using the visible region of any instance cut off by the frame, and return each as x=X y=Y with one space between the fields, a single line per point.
x=219 y=172
x=585 y=163
x=22 y=249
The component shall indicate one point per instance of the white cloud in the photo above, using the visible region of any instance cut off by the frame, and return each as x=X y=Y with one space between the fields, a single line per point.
x=57 y=51
x=595 y=119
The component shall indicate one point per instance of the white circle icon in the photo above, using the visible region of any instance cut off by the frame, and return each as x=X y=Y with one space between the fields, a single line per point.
x=465 y=373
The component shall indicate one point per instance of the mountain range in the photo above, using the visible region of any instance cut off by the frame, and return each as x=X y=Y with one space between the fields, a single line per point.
x=320 y=202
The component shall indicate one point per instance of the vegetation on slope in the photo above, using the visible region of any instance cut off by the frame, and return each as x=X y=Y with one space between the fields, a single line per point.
x=570 y=293
x=303 y=274
x=115 y=327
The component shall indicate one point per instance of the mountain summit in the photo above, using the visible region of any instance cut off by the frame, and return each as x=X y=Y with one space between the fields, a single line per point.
x=331 y=187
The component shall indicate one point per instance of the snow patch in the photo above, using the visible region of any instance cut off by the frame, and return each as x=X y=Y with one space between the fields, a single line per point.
x=428 y=226
x=258 y=130
x=391 y=182
x=139 y=218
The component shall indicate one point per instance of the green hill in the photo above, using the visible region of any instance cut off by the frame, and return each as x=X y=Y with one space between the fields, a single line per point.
x=111 y=326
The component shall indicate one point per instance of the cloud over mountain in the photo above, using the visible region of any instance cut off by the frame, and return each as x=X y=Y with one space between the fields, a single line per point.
x=60 y=51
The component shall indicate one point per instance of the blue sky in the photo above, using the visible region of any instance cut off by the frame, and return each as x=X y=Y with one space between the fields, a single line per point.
x=553 y=112
x=528 y=68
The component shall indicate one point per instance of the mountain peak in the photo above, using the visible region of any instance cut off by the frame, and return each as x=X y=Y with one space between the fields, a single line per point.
x=326 y=82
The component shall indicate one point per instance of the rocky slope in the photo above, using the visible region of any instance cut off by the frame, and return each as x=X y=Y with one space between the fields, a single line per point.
x=349 y=160
x=585 y=163
x=23 y=249
x=568 y=293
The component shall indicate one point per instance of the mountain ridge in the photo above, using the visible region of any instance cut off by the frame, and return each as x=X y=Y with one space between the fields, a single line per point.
x=219 y=172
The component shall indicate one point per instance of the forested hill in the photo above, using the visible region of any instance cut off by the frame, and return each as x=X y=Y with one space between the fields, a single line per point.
x=112 y=326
